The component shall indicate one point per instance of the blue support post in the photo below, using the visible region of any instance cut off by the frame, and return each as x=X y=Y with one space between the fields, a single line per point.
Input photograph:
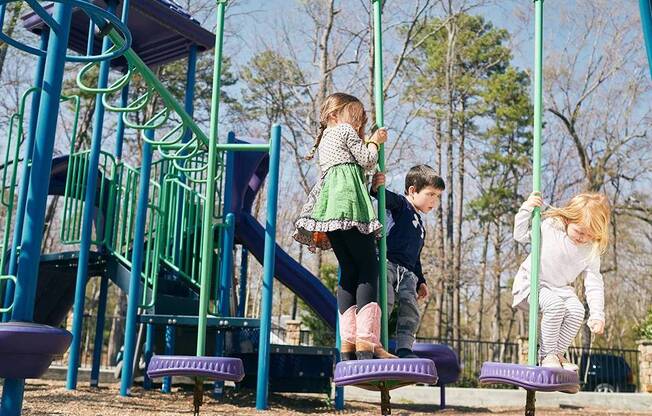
x=136 y=269
x=646 y=21
x=149 y=351
x=99 y=331
x=30 y=253
x=87 y=217
x=226 y=275
x=268 y=270
x=170 y=335
x=242 y=290
x=339 y=391
x=24 y=179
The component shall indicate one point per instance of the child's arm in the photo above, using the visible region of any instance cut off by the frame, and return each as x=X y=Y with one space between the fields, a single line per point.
x=594 y=289
x=422 y=284
x=365 y=155
x=522 y=218
x=392 y=200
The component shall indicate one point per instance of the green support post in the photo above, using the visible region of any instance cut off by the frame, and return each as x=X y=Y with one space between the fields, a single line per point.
x=379 y=99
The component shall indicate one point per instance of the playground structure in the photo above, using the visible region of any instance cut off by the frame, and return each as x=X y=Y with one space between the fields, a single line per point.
x=164 y=231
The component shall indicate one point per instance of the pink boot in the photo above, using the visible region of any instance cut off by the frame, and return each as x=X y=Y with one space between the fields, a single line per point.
x=367 y=343
x=347 y=333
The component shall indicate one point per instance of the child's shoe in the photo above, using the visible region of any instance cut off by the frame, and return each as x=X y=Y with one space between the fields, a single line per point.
x=406 y=353
x=367 y=341
x=347 y=333
x=567 y=365
x=551 y=361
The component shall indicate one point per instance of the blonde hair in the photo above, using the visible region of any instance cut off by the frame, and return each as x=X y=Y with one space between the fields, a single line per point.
x=347 y=109
x=591 y=210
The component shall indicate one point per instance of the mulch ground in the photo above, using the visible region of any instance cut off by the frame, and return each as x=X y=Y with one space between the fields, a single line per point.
x=51 y=398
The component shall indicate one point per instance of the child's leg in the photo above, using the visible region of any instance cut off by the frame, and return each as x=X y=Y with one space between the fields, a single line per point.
x=408 y=311
x=573 y=319
x=362 y=249
x=392 y=282
x=348 y=282
x=553 y=311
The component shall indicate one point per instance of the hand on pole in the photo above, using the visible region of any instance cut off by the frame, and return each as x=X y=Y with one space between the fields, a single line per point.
x=534 y=200
x=377 y=181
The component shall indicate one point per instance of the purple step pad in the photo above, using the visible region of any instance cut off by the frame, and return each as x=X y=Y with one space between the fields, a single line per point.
x=530 y=377
x=213 y=368
x=27 y=349
x=445 y=359
x=399 y=371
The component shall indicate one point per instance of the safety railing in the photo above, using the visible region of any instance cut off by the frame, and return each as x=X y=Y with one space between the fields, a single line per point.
x=75 y=197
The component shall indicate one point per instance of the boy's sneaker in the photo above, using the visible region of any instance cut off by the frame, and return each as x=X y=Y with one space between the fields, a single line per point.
x=406 y=353
x=567 y=365
x=551 y=361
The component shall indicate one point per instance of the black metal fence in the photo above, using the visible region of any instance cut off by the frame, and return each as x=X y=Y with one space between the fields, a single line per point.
x=472 y=353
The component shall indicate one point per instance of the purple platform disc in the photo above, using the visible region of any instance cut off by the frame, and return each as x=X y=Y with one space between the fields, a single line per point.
x=530 y=377
x=396 y=371
x=445 y=359
x=213 y=368
x=27 y=349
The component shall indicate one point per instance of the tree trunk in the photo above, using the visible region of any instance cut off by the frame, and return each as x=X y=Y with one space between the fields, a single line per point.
x=483 y=277
x=439 y=241
x=497 y=269
x=15 y=11
x=457 y=255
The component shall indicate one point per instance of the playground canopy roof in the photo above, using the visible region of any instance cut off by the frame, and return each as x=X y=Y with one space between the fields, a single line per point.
x=162 y=31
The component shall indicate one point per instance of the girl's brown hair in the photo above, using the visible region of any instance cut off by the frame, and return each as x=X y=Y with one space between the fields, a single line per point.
x=347 y=109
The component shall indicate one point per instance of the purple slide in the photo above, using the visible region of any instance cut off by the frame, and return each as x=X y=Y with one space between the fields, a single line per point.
x=250 y=233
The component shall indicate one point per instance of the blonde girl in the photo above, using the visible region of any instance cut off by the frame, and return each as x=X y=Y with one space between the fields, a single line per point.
x=572 y=239
x=339 y=215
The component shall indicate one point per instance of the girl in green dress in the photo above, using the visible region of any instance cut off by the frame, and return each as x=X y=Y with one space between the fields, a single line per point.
x=339 y=215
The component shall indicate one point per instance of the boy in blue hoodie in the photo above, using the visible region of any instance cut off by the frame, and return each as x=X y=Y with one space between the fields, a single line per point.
x=405 y=239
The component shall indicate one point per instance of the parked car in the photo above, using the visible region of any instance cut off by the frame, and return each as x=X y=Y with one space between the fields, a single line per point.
x=605 y=373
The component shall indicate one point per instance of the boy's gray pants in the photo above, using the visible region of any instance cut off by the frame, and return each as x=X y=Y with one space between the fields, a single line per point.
x=402 y=282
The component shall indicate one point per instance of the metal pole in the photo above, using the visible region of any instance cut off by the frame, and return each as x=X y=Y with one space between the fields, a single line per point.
x=268 y=270
x=242 y=289
x=207 y=229
x=536 y=187
x=13 y=389
x=99 y=330
x=136 y=269
x=87 y=217
x=380 y=122
x=24 y=180
x=339 y=391
x=646 y=21
x=170 y=334
x=149 y=351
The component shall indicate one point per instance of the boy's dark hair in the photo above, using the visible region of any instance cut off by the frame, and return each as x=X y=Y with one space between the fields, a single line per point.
x=421 y=176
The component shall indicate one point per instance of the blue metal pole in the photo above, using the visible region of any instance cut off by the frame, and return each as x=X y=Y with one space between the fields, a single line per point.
x=226 y=274
x=191 y=74
x=149 y=351
x=87 y=218
x=120 y=128
x=136 y=269
x=268 y=270
x=30 y=253
x=242 y=292
x=170 y=335
x=646 y=20
x=98 y=343
x=27 y=167
x=339 y=391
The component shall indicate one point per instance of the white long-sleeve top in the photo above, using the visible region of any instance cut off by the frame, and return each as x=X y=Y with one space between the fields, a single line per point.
x=562 y=261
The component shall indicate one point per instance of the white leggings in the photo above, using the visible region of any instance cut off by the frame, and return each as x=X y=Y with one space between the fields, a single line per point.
x=563 y=315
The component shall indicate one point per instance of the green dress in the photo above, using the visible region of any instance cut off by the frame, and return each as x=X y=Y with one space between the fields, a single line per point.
x=340 y=200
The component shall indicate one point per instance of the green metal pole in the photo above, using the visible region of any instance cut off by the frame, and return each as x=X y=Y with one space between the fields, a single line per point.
x=536 y=182
x=379 y=100
x=207 y=230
